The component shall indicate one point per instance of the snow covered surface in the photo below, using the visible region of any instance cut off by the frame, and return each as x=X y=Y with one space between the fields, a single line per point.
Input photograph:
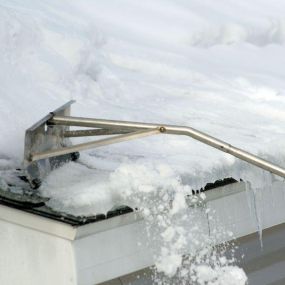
x=218 y=67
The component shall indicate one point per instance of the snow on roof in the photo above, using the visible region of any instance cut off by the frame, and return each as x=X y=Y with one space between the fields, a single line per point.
x=215 y=68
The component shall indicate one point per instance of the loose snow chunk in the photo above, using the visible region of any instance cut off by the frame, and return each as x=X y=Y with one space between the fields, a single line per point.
x=168 y=264
x=179 y=203
x=228 y=275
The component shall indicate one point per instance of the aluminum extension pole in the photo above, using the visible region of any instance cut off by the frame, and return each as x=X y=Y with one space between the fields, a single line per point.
x=170 y=129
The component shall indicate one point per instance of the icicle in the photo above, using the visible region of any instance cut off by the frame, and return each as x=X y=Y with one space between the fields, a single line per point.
x=283 y=191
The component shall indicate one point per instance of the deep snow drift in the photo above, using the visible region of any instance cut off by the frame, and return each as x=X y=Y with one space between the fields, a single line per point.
x=218 y=67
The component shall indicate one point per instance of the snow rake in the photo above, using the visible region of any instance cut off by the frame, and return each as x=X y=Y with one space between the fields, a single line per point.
x=48 y=144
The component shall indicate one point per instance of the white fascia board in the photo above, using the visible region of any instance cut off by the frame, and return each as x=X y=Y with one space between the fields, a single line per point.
x=224 y=191
x=69 y=232
x=63 y=230
x=108 y=224
x=37 y=222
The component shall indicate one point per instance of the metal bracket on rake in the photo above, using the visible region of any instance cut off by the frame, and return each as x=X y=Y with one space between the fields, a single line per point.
x=48 y=144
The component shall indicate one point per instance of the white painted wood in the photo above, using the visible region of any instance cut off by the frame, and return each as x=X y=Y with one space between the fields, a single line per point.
x=37 y=223
x=112 y=253
x=31 y=257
